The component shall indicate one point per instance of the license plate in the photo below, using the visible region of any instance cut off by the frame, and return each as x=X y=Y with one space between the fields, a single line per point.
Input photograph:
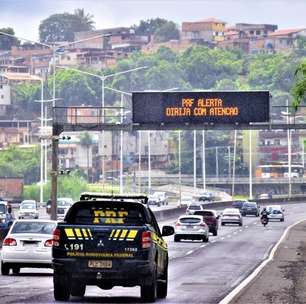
x=100 y=264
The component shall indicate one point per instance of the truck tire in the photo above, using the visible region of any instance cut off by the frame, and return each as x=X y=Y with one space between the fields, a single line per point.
x=5 y=269
x=78 y=289
x=148 y=293
x=215 y=232
x=162 y=286
x=61 y=287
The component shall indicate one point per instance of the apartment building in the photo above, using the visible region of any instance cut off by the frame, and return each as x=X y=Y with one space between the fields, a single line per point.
x=211 y=30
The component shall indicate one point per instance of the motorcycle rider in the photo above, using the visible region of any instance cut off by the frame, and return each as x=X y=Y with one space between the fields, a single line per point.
x=264 y=214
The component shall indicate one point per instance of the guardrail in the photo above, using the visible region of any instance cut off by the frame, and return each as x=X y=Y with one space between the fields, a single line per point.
x=167 y=214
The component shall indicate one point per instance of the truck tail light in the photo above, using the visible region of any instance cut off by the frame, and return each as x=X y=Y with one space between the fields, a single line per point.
x=146 y=239
x=49 y=243
x=9 y=242
x=56 y=237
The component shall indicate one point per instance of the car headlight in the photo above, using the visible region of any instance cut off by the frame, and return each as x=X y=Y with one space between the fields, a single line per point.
x=2 y=221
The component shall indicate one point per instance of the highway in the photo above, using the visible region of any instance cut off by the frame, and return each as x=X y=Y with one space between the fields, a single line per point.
x=198 y=272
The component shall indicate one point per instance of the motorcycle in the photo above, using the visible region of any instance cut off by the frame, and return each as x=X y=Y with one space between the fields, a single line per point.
x=264 y=221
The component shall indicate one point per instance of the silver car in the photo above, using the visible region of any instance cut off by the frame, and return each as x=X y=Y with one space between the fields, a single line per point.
x=191 y=227
x=27 y=244
x=231 y=216
x=28 y=210
x=276 y=212
x=63 y=205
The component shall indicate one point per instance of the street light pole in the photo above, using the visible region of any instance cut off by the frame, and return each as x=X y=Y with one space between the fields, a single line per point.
x=203 y=160
x=121 y=147
x=41 y=142
x=180 y=165
x=139 y=161
x=194 y=160
x=234 y=163
x=250 y=166
x=149 y=162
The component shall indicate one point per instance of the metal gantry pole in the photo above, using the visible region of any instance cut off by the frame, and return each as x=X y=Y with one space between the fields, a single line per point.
x=203 y=160
x=229 y=162
x=41 y=198
x=139 y=161
x=217 y=164
x=250 y=166
x=103 y=133
x=194 y=160
x=180 y=166
x=234 y=163
x=149 y=162
x=121 y=146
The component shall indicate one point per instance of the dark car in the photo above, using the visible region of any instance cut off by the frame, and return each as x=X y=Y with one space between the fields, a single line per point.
x=238 y=204
x=107 y=241
x=250 y=208
x=211 y=218
x=6 y=218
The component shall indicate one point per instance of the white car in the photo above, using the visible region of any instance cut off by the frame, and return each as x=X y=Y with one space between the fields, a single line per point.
x=27 y=244
x=28 y=210
x=231 y=216
x=162 y=197
x=191 y=227
x=63 y=205
x=276 y=212
x=186 y=200
x=194 y=207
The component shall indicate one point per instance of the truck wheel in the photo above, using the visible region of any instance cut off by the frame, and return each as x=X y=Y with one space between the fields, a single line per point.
x=148 y=293
x=162 y=286
x=61 y=287
x=78 y=289
x=205 y=239
x=215 y=232
x=5 y=269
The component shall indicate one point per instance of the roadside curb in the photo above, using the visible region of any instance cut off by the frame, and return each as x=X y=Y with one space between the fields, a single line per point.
x=238 y=289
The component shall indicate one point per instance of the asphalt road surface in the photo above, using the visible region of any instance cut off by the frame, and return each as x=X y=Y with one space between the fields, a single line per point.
x=198 y=272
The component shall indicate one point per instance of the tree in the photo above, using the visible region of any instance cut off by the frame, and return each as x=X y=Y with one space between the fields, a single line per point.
x=61 y=27
x=86 y=18
x=299 y=87
x=166 y=32
x=149 y=26
x=7 y=42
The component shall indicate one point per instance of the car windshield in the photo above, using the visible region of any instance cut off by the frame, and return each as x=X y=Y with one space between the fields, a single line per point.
x=27 y=206
x=249 y=205
x=63 y=203
x=33 y=227
x=2 y=209
x=190 y=220
x=194 y=207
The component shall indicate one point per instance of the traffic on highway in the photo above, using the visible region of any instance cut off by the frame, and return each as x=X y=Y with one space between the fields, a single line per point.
x=209 y=251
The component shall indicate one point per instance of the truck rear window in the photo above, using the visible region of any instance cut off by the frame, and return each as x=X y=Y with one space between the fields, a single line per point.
x=109 y=213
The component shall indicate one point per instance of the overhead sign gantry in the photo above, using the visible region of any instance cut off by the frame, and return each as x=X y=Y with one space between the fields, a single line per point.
x=172 y=110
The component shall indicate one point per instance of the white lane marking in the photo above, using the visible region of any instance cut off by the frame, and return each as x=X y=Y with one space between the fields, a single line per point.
x=222 y=238
x=214 y=241
x=51 y=289
x=246 y=226
x=240 y=230
x=255 y=273
x=235 y=232
x=203 y=246
x=189 y=252
x=229 y=236
x=255 y=223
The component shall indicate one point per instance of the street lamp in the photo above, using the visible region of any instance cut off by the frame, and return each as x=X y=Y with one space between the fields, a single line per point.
x=103 y=78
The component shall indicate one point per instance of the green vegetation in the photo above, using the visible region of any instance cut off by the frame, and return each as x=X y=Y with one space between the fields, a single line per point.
x=61 y=27
x=20 y=162
x=7 y=42
x=299 y=88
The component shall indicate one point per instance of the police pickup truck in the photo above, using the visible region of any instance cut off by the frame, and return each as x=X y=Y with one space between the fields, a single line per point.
x=109 y=241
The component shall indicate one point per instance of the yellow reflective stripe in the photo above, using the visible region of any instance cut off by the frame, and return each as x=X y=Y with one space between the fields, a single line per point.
x=78 y=233
x=132 y=234
x=89 y=232
x=85 y=233
x=117 y=233
x=69 y=233
x=123 y=234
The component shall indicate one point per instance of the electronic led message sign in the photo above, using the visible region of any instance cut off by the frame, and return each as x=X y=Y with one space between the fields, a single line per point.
x=231 y=107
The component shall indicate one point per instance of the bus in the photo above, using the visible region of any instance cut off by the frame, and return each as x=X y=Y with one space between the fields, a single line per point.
x=279 y=170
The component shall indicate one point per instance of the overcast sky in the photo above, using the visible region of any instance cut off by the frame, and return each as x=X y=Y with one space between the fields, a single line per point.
x=25 y=15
